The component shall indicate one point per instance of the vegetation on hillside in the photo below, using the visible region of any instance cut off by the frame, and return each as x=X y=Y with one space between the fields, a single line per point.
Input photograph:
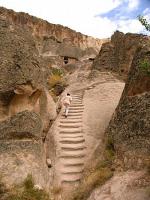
x=144 y=64
x=56 y=82
x=23 y=191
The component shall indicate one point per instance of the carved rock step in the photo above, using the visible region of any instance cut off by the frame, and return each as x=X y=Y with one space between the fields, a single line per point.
x=74 y=114
x=74 y=117
x=72 y=154
x=72 y=170
x=72 y=161
x=77 y=171
x=76 y=101
x=71 y=147
x=68 y=121
x=72 y=141
x=75 y=111
x=70 y=125
x=71 y=136
x=77 y=95
x=71 y=178
x=68 y=133
x=70 y=130
x=77 y=106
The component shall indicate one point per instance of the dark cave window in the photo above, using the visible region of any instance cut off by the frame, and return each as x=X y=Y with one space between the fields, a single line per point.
x=65 y=59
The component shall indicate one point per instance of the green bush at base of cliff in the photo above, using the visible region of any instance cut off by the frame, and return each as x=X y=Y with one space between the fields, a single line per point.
x=56 y=83
x=24 y=191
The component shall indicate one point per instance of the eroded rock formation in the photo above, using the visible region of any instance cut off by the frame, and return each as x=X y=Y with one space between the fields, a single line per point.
x=26 y=108
x=51 y=32
x=117 y=54
x=55 y=41
x=130 y=125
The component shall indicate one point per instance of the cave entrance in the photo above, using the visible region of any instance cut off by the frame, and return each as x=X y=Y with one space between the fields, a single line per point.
x=66 y=60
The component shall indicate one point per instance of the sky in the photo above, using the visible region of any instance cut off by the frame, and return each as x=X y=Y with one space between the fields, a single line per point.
x=97 y=18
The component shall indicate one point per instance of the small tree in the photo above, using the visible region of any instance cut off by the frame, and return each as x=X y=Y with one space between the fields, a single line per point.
x=144 y=22
x=144 y=64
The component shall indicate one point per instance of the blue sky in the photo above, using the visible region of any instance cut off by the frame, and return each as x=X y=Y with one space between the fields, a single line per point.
x=98 y=18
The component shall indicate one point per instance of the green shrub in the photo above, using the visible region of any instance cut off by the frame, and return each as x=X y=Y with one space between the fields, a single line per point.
x=144 y=66
x=56 y=82
x=57 y=71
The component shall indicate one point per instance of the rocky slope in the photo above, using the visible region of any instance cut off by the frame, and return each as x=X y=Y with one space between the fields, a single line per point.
x=117 y=54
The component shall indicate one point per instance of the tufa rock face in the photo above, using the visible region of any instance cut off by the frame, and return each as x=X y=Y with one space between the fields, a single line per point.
x=21 y=72
x=54 y=42
x=130 y=125
x=26 y=108
x=57 y=33
x=117 y=55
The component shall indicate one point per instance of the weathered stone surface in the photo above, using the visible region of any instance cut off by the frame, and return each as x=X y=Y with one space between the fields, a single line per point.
x=19 y=58
x=117 y=54
x=69 y=51
x=130 y=125
x=128 y=185
x=41 y=28
x=26 y=108
x=21 y=126
x=18 y=158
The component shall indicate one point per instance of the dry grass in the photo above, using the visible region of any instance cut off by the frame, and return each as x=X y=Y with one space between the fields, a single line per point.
x=54 y=79
x=56 y=84
x=96 y=178
x=98 y=174
x=56 y=190
x=24 y=191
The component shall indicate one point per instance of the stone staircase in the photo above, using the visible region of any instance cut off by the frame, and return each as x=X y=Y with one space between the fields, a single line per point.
x=71 y=148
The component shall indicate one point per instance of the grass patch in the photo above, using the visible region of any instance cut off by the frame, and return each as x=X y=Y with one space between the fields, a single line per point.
x=97 y=175
x=25 y=191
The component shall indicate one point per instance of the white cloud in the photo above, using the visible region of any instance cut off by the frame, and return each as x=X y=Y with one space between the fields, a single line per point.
x=131 y=25
x=133 y=4
x=78 y=14
x=146 y=13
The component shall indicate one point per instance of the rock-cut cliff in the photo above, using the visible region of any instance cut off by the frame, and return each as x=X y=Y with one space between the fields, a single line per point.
x=41 y=28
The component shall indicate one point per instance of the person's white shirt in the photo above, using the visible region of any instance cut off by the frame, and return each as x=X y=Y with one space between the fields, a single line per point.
x=67 y=100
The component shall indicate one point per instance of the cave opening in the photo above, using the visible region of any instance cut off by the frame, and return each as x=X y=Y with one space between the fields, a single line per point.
x=65 y=60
